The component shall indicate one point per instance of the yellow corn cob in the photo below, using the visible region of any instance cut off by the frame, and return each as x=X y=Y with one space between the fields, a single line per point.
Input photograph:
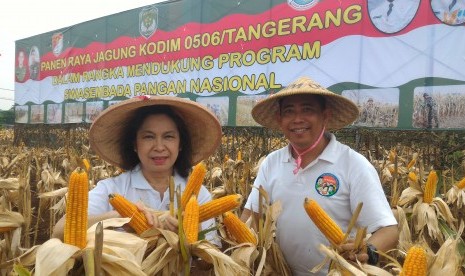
x=461 y=184
x=415 y=263
x=391 y=168
x=86 y=164
x=194 y=183
x=190 y=221
x=76 y=209
x=323 y=221
x=218 y=206
x=413 y=161
x=239 y=156
x=127 y=209
x=412 y=177
x=392 y=155
x=430 y=187
x=238 y=229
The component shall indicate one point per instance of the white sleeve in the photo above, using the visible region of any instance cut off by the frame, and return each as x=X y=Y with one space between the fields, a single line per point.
x=370 y=192
x=98 y=198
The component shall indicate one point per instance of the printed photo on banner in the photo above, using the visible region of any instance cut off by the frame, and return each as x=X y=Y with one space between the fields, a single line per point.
x=34 y=63
x=392 y=16
x=439 y=107
x=57 y=43
x=37 y=114
x=93 y=109
x=244 y=109
x=54 y=113
x=378 y=107
x=451 y=12
x=74 y=112
x=21 y=114
x=218 y=105
x=21 y=66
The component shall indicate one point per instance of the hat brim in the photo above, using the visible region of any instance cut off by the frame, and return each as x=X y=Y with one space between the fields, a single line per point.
x=343 y=111
x=105 y=134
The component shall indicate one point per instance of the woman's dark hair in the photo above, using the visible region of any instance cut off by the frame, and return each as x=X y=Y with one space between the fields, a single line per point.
x=130 y=159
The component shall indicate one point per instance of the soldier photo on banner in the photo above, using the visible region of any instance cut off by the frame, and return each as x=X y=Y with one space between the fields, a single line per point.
x=392 y=16
x=430 y=110
x=21 y=66
x=34 y=62
x=378 y=107
x=439 y=107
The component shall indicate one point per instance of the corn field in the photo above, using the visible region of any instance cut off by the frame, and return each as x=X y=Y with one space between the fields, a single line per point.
x=37 y=162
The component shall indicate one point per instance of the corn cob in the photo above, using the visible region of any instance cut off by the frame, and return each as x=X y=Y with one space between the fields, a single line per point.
x=239 y=156
x=86 y=164
x=430 y=187
x=218 y=206
x=413 y=161
x=127 y=209
x=415 y=263
x=194 y=183
x=323 y=221
x=238 y=229
x=461 y=184
x=392 y=155
x=190 y=221
x=412 y=177
x=76 y=209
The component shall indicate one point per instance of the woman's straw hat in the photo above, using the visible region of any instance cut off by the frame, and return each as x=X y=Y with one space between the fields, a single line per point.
x=344 y=111
x=106 y=132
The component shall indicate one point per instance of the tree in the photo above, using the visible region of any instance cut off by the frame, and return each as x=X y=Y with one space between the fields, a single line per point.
x=7 y=117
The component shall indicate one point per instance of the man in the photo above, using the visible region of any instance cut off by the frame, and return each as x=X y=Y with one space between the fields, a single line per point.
x=303 y=111
x=34 y=60
x=368 y=114
x=431 y=111
x=20 y=71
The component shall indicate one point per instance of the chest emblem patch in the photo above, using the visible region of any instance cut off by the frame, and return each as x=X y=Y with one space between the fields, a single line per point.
x=327 y=184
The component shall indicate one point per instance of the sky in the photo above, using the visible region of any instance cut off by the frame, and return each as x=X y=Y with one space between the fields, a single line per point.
x=25 y=18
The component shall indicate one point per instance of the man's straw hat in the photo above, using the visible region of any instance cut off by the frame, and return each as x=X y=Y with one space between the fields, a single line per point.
x=344 y=111
x=105 y=134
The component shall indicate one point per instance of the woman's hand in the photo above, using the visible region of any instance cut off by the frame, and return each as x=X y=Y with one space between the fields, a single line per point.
x=168 y=222
x=152 y=219
x=156 y=219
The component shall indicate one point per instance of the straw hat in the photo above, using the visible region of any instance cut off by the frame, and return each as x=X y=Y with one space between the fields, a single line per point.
x=105 y=134
x=344 y=111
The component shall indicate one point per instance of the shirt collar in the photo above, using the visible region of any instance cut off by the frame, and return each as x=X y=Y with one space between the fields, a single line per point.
x=329 y=154
x=139 y=182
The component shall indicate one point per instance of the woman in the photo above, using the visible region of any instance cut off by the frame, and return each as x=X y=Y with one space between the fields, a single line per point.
x=151 y=138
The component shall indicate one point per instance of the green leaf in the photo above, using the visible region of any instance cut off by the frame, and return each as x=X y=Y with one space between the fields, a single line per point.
x=203 y=233
x=21 y=270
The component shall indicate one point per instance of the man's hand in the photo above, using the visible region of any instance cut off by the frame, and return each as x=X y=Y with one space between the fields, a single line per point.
x=352 y=253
